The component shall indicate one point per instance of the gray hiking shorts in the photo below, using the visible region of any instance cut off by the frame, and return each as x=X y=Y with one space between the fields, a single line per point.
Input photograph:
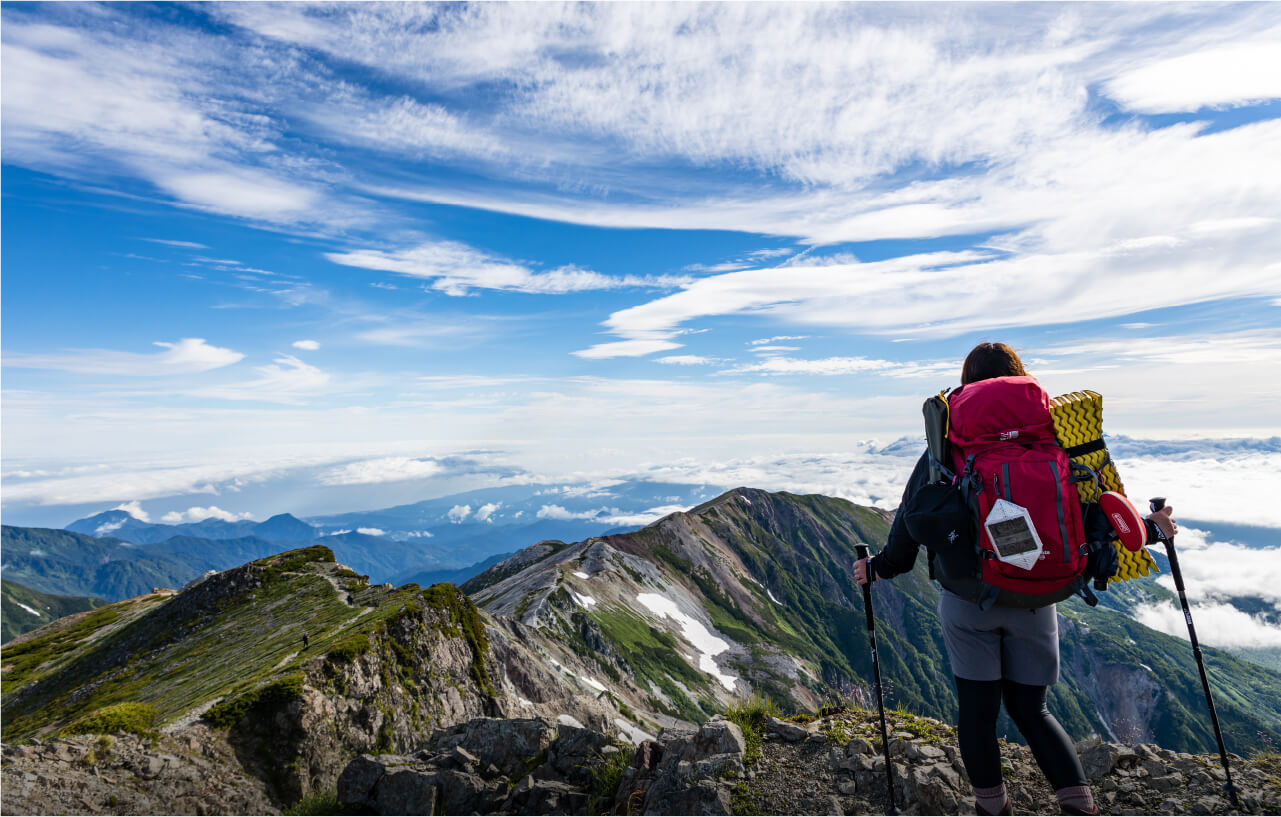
x=988 y=645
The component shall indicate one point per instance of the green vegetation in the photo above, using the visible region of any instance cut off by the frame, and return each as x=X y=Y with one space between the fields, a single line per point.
x=347 y=650
x=742 y=799
x=751 y=714
x=317 y=803
x=654 y=659
x=608 y=775
x=135 y=718
x=17 y=601
x=292 y=561
x=223 y=641
x=22 y=661
x=263 y=700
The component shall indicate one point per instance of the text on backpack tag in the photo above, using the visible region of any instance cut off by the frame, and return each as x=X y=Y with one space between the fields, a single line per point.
x=1013 y=535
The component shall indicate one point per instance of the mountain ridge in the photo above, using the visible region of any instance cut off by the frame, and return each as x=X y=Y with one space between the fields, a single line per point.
x=627 y=635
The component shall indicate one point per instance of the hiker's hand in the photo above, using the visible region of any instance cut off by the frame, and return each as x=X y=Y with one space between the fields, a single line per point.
x=1164 y=519
x=860 y=571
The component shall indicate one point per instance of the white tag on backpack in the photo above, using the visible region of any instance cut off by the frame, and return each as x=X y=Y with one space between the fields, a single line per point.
x=1013 y=535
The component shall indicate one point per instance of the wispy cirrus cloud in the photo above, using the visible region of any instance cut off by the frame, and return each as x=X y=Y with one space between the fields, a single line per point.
x=848 y=366
x=456 y=269
x=285 y=380
x=169 y=242
x=186 y=356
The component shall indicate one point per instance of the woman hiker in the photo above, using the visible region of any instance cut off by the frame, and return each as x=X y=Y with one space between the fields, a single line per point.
x=998 y=654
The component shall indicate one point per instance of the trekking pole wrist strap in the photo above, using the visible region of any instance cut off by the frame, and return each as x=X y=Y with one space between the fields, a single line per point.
x=1155 y=534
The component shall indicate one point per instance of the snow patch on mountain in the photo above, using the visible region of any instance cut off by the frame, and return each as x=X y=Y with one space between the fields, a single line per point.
x=707 y=645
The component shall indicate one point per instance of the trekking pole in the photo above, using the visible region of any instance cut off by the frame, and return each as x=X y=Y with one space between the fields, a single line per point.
x=1157 y=503
x=861 y=550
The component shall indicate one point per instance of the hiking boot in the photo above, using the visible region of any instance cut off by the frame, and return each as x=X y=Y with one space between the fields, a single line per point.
x=1064 y=808
x=1005 y=809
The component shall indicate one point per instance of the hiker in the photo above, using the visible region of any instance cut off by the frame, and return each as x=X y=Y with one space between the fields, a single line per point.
x=998 y=653
x=305 y=640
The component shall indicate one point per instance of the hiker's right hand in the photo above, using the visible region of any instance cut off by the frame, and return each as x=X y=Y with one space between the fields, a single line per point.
x=1164 y=519
x=860 y=571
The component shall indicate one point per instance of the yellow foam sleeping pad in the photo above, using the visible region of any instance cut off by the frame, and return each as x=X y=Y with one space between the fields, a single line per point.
x=1078 y=424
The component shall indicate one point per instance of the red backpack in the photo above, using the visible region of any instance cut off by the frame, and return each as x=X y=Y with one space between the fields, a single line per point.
x=1017 y=479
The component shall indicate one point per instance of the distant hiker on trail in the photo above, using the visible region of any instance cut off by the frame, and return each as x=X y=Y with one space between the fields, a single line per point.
x=999 y=619
x=305 y=641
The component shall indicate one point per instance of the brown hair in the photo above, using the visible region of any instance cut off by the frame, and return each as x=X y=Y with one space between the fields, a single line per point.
x=988 y=360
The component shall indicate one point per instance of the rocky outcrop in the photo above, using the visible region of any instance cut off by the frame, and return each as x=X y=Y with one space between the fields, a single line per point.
x=196 y=773
x=830 y=766
x=487 y=766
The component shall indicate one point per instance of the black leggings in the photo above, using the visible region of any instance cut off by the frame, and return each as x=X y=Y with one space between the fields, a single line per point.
x=980 y=704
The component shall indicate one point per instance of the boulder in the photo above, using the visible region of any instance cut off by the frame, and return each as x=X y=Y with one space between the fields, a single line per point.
x=1100 y=759
x=786 y=730
x=406 y=791
x=357 y=781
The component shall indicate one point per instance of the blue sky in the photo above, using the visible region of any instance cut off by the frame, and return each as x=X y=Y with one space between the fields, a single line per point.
x=317 y=258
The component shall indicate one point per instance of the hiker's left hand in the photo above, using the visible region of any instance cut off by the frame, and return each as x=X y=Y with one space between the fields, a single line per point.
x=860 y=571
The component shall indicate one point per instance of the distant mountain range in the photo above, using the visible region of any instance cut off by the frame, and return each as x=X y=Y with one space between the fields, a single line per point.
x=282 y=528
x=454 y=536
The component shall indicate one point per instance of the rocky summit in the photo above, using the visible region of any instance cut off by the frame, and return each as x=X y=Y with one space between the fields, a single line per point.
x=753 y=765
x=642 y=672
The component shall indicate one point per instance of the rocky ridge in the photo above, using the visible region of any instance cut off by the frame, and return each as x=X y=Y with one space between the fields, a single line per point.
x=832 y=765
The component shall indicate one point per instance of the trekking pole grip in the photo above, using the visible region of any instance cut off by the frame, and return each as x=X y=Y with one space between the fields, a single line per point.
x=861 y=550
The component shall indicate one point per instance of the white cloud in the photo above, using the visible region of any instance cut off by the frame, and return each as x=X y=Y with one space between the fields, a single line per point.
x=134 y=509
x=242 y=192
x=191 y=245
x=382 y=469
x=455 y=269
x=849 y=366
x=285 y=380
x=486 y=511
x=198 y=514
x=1217 y=624
x=458 y=513
x=400 y=126
x=371 y=531
x=775 y=339
x=1215 y=570
x=559 y=512
x=626 y=348
x=687 y=360
x=609 y=516
x=306 y=345
x=187 y=356
x=1230 y=74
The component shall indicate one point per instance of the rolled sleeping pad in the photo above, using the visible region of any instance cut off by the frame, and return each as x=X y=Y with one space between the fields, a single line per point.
x=1078 y=426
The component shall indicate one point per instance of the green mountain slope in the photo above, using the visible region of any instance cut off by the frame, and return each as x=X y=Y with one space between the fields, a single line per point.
x=23 y=609
x=768 y=577
x=381 y=669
